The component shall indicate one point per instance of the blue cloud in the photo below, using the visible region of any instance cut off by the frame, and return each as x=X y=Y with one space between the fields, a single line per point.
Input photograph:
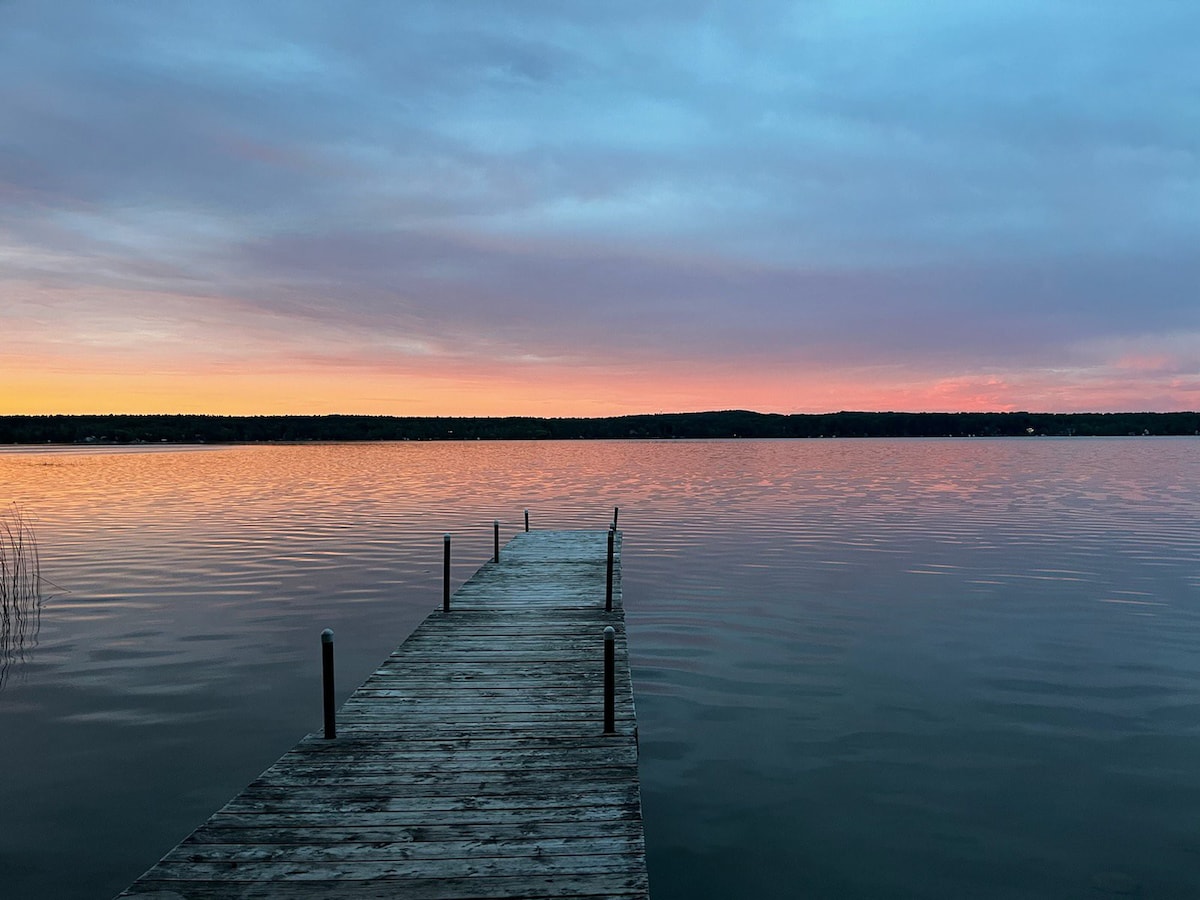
x=865 y=178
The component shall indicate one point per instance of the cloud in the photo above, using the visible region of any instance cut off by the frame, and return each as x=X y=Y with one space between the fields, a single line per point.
x=955 y=189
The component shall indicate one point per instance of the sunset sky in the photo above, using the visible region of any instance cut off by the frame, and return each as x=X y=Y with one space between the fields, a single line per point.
x=561 y=208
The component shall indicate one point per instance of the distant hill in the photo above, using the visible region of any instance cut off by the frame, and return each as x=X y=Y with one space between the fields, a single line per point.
x=190 y=429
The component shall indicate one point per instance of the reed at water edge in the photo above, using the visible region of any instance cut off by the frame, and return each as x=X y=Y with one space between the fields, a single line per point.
x=20 y=589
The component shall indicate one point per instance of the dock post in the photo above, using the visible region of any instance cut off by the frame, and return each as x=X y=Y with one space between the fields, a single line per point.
x=610 y=692
x=616 y=509
x=526 y=520
x=436 y=744
x=496 y=540
x=446 y=574
x=612 y=532
x=327 y=682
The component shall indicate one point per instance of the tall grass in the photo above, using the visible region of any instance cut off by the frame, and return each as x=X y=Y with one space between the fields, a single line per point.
x=20 y=590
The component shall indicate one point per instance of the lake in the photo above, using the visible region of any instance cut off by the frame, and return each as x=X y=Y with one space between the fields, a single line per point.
x=863 y=668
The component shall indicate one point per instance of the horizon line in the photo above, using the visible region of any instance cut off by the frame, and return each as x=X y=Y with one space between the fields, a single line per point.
x=661 y=413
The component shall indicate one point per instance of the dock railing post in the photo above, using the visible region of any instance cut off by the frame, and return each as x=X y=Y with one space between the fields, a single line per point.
x=610 y=670
x=526 y=520
x=612 y=532
x=446 y=573
x=327 y=682
x=616 y=510
x=496 y=540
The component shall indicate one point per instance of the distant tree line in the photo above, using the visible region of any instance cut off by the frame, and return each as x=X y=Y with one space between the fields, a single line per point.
x=189 y=429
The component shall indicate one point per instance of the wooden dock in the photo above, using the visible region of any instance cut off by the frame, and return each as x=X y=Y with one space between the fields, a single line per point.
x=471 y=764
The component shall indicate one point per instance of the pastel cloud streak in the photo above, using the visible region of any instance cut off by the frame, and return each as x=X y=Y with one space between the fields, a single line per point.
x=550 y=208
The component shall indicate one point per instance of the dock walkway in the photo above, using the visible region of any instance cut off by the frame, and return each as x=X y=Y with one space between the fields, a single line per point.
x=471 y=764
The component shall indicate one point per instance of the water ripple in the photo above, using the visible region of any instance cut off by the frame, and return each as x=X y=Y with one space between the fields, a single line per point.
x=863 y=668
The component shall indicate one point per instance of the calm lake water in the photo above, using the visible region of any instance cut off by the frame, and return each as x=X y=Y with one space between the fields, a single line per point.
x=863 y=669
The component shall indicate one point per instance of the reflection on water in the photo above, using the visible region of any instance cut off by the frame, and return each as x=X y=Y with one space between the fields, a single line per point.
x=863 y=668
x=20 y=591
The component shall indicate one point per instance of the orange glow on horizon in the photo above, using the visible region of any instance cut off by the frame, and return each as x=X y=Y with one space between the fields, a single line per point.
x=150 y=352
x=493 y=389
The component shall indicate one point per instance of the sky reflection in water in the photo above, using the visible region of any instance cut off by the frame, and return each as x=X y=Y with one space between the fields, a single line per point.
x=863 y=668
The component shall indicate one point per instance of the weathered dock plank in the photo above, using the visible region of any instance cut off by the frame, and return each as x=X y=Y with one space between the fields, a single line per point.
x=471 y=764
